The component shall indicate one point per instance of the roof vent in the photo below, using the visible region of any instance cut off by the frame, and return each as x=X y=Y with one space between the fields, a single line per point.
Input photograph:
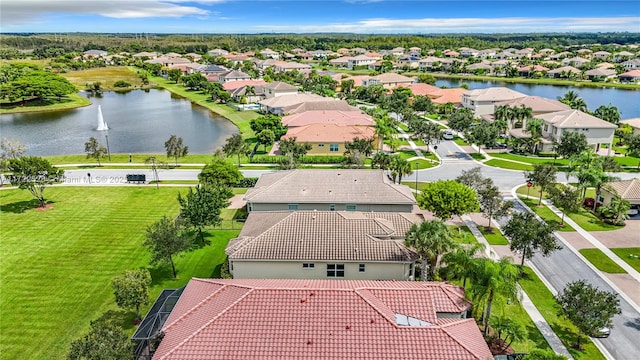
x=303 y=300
x=348 y=327
x=309 y=342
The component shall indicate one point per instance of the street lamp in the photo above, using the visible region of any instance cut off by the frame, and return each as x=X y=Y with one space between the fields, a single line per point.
x=106 y=135
x=416 y=176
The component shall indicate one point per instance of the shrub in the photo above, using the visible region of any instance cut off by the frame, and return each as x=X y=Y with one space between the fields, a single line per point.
x=247 y=182
x=546 y=154
x=307 y=159
x=122 y=84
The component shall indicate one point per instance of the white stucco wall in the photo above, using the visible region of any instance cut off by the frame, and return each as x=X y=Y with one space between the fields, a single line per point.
x=295 y=270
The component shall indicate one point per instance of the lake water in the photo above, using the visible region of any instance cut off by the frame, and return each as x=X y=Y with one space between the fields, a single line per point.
x=139 y=122
x=627 y=101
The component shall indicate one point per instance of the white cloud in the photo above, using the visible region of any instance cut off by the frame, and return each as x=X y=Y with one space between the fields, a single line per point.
x=16 y=12
x=463 y=25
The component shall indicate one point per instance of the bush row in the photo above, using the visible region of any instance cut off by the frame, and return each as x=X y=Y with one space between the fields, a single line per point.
x=307 y=159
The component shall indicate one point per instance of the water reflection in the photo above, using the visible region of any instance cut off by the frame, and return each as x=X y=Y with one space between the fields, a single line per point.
x=139 y=122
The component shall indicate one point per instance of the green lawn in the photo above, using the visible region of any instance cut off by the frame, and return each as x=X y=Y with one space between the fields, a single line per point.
x=566 y=331
x=412 y=184
x=71 y=101
x=57 y=264
x=505 y=164
x=462 y=235
x=531 y=159
x=601 y=261
x=460 y=141
x=476 y=156
x=630 y=255
x=135 y=158
x=588 y=221
x=546 y=214
x=493 y=237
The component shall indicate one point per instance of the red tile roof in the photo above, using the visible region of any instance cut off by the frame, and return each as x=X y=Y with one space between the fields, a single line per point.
x=232 y=85
x=329 y=319
x=329 y=133
x=337 y=117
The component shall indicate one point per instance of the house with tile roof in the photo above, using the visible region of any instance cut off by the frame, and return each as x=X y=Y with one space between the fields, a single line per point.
x=268 y=53
x=349 y=245
x=630 y=76
x=337 y=117
x=319 y=319
x=388 y=80
x=482 y=101
x=277 y=88
x=217 y=52
x=327 y=189
x=634 y=123
x=596 y=131
x=563 y=72
x=328 y=138
x=233 y=75
x=600 y=74
x=359 y=60
x=297 y=103
x=626 y=189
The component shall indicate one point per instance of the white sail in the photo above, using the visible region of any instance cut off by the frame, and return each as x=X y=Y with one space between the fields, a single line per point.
x=102 y=125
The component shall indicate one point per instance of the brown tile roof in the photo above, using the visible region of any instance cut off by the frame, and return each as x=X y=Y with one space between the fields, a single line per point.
x=494 y=94
x=634 y=122
x=537 y=104
x=280 y=86
x=631 y=73
x=333 y=133
x=291 y=100
x=453 y=96
x=600 y=72
x=328 y=236
x=421 y=88
x=393 y=78
x=322 y=104
x=232 y=85
x=571 y=119
x=314 y=319
x=336 y=117
x=329 y=186
x=626 y=189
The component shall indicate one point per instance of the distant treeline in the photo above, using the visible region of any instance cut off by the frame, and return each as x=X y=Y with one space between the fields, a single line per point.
x=201 y=43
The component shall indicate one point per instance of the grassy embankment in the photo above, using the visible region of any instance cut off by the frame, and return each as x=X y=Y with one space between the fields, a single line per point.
x=57 y=264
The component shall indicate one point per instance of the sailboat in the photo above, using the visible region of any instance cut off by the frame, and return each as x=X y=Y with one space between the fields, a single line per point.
x=102 y=125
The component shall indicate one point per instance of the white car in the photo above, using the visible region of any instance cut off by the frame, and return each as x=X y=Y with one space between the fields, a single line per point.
x=448 y=135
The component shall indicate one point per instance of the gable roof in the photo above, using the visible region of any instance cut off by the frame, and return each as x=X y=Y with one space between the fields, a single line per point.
x=537 y=104
x=329 y=186
x=233 y=85
x=494 y=94
x=336 y=117
x=328 y=236
x=452 y=95
x=571 y=119
x=329 y=133
x=626 y=189
x=634 y=122
x=335 y=319
x=280 y=86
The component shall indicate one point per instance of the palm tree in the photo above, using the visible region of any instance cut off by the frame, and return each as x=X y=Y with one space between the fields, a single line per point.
x=534 y=127
x=399 y=167
x=458 y=263
x=382 y=160
x=491 y=279
x=572 y=99
x=384 y=129
x=430 y=240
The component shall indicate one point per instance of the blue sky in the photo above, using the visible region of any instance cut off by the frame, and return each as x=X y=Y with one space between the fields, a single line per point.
x=308 y=16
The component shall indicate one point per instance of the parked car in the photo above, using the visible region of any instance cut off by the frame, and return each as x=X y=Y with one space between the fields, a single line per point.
x=602 y=333
x=496 y=145
x=448 y=135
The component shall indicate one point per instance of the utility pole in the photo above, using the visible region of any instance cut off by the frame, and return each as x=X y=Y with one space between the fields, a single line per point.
x=106 y=135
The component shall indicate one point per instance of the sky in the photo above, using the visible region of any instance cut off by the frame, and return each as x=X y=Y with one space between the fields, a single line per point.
x=310 y=16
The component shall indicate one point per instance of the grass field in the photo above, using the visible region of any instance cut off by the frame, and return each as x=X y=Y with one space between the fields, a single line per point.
x=566 y=331
x=57 y=264
x=462 y=235
x=106 y=76
x=136 y=158
x=601 y=261
x=505 y=164
x=531 y=159
x=630 y=255
x=72 y=101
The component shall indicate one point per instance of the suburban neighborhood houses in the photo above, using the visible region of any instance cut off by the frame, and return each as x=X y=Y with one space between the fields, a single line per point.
x=366 y=197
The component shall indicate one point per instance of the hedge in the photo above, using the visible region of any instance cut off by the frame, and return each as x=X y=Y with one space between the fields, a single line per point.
x=307 y=159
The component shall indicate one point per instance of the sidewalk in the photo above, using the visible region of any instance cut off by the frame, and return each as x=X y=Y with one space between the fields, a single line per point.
x=542 y=325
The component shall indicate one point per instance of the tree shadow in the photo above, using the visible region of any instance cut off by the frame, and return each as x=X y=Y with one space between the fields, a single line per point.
x=161 y=274
x=534 y=335
x=20 y=207
x=217 y=272
x=635 y=323
x=123 y=318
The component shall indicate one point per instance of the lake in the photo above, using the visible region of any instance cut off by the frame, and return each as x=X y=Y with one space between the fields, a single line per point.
x=627 y=101
x=139 y=121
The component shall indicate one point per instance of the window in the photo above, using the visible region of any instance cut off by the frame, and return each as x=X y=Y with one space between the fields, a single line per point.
x=351 y=207
x=321 y=145
x=334 y=148
x=293 y=206
x=361 y=267
x=308 y=266
x=335 y=270
x=332 y=207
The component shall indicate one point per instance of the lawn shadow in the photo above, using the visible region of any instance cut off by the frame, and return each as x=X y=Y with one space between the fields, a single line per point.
x=161 y=274
x=217 y=272
x=20 y=207
x=123 y=318
x=534 y=335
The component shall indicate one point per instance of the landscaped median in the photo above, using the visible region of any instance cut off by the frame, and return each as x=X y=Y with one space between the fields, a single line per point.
x=601 y=261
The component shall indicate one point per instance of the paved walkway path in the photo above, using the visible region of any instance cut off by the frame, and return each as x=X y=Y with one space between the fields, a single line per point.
x=552 y=339
x=413 y=145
